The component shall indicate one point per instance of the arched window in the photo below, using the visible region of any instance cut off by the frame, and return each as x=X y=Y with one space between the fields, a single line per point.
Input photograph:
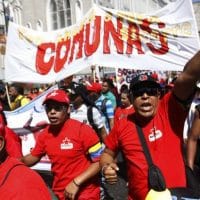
x=59 y=14
x=53 y=14
x=66 y=13
x=17 y=12
x=10 y=11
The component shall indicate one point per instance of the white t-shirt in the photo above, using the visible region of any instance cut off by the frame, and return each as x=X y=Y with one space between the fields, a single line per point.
x=80 y=114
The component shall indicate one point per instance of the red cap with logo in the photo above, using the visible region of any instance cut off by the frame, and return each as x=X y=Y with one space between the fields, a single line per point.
x=57 y=95
x=143 y=78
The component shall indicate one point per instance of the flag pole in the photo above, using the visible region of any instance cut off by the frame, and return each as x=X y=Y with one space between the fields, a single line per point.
x=6 y=18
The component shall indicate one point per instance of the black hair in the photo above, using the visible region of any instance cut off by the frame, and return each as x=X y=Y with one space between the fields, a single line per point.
x=123 y=87
x=80 y=90
x=19 y=88
x=109 y=82
x=2 y=89
x=126 y=91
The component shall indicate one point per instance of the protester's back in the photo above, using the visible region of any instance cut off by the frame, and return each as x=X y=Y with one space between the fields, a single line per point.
x=103 y=104
x=18 y=181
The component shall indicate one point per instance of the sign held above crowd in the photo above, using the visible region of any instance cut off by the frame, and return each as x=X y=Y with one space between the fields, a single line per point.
x=164 y=40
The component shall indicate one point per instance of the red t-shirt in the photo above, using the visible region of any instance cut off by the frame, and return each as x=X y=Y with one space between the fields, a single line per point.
x=22 y=183
x=68 y=152
x=122 y=112
x=13 y=143
x=164 y=145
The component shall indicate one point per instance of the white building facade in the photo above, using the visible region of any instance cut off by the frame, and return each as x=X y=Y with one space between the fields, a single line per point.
x=47 y=15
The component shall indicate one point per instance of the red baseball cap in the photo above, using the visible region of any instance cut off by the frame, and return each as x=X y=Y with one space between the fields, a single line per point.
x=94 y=87
x=57 y=95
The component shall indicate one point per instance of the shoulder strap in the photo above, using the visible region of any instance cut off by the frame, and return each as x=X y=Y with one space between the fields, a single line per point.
x=103 y=107
x=90 y=115
x=8 y=173
x=155 y=176
x=144 y=145
x=91 y=121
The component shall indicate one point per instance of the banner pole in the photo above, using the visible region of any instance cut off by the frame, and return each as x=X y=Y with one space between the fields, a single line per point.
x=7 y=94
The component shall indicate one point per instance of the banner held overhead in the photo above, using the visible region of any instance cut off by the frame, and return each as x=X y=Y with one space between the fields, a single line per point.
x=163 y=40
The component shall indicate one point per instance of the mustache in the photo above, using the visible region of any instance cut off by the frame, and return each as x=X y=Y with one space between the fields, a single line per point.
x=146 y=104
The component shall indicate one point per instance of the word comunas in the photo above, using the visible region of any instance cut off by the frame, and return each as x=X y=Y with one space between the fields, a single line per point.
x=50 y=55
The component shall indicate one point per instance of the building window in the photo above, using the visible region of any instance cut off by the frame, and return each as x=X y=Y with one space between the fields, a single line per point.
x=16 y=10
x=67 y=12
x=60 y=13
x=53 y=14
x=13 y=11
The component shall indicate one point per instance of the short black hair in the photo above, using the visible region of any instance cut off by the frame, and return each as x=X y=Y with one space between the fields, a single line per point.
x=19 y=88
x=2 y=89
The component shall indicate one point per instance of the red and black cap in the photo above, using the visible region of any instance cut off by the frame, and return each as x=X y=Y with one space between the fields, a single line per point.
x=143 y=79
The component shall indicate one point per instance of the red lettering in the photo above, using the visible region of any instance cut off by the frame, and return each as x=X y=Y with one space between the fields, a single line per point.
x=62 y=47
x=134 y=39
x=43 y=67
x=116 y=35
x=163 y=40
x=77 y=40
x=91 y=48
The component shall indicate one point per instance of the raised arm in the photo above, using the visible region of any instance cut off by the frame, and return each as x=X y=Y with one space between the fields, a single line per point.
x=185 y=84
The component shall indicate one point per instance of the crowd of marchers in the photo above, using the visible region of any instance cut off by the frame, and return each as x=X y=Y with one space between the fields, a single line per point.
x=92 y=137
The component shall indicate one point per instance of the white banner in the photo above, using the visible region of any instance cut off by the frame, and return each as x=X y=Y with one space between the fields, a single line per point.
x=164 y=40
x=30 y=116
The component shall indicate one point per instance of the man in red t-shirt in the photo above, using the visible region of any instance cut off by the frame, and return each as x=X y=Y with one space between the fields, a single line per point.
x=17 y=181
x=126 y=107
x=73 y=148
x=162 y=122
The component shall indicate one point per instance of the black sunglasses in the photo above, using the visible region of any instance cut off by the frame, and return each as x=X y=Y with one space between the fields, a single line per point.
x=149 y=91
x=56 y=107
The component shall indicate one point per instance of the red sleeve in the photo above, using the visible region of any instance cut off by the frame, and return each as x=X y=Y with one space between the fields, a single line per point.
x=117 y=114
x=39 y=150
x=88 y=136
x=174 y=110
x=111 y=141
x=13 y=143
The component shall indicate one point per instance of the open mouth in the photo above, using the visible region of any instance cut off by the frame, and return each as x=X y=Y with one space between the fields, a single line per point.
x=146 y=107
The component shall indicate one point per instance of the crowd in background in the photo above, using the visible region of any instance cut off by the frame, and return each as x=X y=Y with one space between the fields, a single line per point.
x=29 y=91
x=101 y=103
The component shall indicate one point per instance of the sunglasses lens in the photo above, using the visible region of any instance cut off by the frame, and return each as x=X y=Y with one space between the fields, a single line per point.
x=58 y=108
x=148 y=91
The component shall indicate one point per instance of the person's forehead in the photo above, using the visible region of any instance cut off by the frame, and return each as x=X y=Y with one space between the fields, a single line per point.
x=12 y=88
x=105 y=84
x=124 y=95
